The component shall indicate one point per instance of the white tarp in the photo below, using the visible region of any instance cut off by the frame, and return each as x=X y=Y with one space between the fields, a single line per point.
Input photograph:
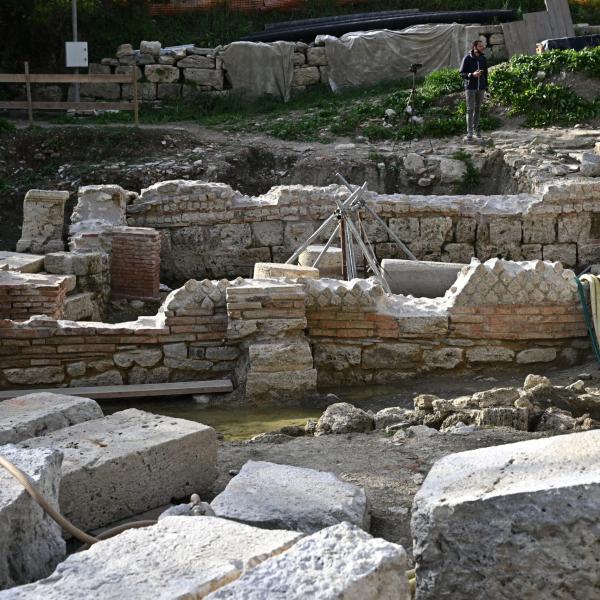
x=366 y=58
x=259 y=69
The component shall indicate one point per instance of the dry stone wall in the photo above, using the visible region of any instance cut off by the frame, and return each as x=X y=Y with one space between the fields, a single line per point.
x=209 y=230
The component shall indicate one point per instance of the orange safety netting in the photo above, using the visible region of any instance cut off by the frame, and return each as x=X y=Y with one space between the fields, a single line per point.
x=173 y=7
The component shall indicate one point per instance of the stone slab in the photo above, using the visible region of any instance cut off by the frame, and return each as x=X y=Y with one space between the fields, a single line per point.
x=338 y=563
x=514 y=521
x=286 y=497
x=30 y=542
x=129 y=462
x=24 y=263
x=177 y=558
x=419 y=278
x=34 y=415
x=277 y=270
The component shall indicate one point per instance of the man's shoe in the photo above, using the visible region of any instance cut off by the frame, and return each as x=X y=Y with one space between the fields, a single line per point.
x=468 y=139
x=478 y=136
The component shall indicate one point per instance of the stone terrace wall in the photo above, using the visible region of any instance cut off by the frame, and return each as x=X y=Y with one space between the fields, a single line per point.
x=210 y=230
x=258 y=333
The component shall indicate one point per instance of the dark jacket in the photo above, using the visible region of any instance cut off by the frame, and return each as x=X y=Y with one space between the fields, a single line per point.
x=470 y=64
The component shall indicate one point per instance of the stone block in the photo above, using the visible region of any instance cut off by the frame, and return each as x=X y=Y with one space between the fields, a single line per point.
x=343 y=417
x=35 y=375
x=79 y=307
x=268 y=233
x=514 y=521
x=505 y=233
x=502 y=416
x=204 y=77
x=340 y=562
x=127 y=69
x=32 y=415
x=589 y=253
x=541 y=230
x=196 y=61
x=293 y=355
x=103 y=460
x=452 y=170
x=444 y=358
x=563 y=253
x=31 y=544
x=336 y=357
x=330 y=264
x=152 y=48
x=76 y=263
x=434 y=232
x=278 y=270
x=285 y=497
x=306 y=76
x=533 y=355
x=390 y=356
x=490 y=354
x=161 y=73
x=406 y=229
x=43 y=215
x=574 y=227
x=177 y=558
x=143 y=357
x=286 y=386
x=458 y=253
x=419 y=278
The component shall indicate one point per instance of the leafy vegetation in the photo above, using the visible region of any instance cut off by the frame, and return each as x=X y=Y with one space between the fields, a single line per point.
x=6 y=126
x=522 y=85
x=472 y=176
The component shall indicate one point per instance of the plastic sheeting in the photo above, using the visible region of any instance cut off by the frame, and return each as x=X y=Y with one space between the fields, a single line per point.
x=366 y=58
x=260 y=69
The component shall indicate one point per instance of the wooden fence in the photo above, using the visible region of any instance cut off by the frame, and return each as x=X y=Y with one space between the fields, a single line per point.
x=28 y=78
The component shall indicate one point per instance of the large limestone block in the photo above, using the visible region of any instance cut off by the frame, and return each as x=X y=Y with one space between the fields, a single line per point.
x=281 y=496
x=31 y=544
x=338 y=563
x=330 y=264
x=129 y=462
x=419 y=278
x=43 y=214
x=514 y=521
x=292 y=355
x=177 y=558
x=275 y=270
x=34 y=415
x=281 y=387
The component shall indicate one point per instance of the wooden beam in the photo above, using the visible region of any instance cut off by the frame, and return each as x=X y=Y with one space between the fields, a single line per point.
x=70 y=105
x=146 y=390
x=63 y=78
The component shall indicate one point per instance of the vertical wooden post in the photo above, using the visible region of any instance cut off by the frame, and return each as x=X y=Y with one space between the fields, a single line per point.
x=28 y=91
x=134 y=83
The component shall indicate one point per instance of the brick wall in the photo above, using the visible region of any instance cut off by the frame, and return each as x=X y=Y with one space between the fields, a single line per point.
x=23 y=295
x=135 y=263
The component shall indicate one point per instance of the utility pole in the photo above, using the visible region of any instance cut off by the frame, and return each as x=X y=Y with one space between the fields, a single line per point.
x=75 y=39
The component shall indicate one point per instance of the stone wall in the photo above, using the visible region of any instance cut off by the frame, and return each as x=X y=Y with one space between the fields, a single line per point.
x=209 y=230
x=275 y=338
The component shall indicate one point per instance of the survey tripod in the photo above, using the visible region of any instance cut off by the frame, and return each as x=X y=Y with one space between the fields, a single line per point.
x=349 y=234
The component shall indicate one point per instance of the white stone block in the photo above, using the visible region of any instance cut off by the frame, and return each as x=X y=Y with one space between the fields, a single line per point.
x=175 y=559
x=38 y=414
x=281 y=496
x=514 y=521
x=338 y=563
x=129 y=462
x=31 y=544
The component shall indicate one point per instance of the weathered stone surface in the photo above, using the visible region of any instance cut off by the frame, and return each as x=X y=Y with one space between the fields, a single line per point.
x=103 y=460
x=161 y=73
x=35 y=375
x=480 y=513
x=342 y=417
x=281 y=496
x=30 y=542
x=516 y=418
x=280 y=387
x=391 y=416
x=532 y=380
x=143 y=358
x=33 y=415
x=152 y=48
x=111 y=377
x=43 y=214
x=390 y=356
x=306 y=76
x=316 y=56
x=274 y=270
x=340 y=562
x=490 y=354
x=452 y=170
x=496 y=397
x=76 y=263
x=174 y=559
x=208 y=77
x=533 y=355
x=336 y=357
x=555 y=419
x=293 y=355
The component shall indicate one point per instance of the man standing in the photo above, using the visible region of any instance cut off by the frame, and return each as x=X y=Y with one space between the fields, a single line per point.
x=474 y=71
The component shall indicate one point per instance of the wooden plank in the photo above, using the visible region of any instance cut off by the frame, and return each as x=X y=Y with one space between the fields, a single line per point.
x=64 y=78
x=538 y=28
x=184 y=388
x=561 y=11
x=509 y=39
x=70 y=105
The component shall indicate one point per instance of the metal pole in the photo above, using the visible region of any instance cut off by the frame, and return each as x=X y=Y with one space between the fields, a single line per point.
x=326 y=247
x=398 y=241
x=343 y=232
x=74 y=20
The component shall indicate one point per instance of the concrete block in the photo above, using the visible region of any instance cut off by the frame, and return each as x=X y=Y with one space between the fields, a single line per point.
x=426 y=279
x=129 y=462
x=177 y=558
x=30 y=542
x=281 y=496
x=514 y=521
x=338 y=563
x=34 y=415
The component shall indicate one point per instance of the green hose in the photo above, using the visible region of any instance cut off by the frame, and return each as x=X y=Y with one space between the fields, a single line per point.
x=588 y=319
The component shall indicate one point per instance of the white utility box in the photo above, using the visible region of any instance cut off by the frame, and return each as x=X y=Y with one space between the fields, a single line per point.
x=77 y=54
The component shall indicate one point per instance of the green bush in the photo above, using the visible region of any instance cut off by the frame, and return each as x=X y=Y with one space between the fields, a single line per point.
x=521 y=85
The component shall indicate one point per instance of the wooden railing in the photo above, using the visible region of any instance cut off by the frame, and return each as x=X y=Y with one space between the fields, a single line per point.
x=28 y=78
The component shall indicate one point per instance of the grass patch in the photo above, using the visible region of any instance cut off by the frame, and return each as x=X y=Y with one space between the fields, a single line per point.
x=472 y=176
x=6 y=126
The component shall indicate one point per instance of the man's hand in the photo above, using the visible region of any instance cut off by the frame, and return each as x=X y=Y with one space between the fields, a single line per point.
x=477 y=73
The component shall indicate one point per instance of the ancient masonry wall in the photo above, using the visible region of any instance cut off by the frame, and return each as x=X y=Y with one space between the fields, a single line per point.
x=182 y=73
x=275 y=339
x=208 y=230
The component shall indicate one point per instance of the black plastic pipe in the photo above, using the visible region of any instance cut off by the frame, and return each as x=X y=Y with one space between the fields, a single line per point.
x=307 y=34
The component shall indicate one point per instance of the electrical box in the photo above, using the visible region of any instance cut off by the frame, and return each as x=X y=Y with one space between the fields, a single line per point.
x=77 y=54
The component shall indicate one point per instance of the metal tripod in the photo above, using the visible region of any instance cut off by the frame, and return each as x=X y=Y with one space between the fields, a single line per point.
x=349 y=234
